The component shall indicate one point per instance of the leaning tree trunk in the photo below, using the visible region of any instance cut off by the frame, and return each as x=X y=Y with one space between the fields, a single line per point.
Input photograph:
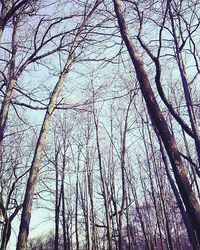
x=30 y=188
x=189 y=198
x=32 y=180
x=186 y=219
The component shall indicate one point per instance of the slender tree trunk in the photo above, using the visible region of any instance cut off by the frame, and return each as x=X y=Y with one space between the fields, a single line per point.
x=115 y=212
x=76 y=214
x=57 y=203
x=123 y=172
x=6 y=227
x=6 y=234
x=94 y=236
x=88 y=224
x=128 y=222
x=104 y=190
x=66 y=240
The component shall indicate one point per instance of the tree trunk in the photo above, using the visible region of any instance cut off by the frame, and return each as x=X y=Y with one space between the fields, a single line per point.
x=88 y=212
x=32 y=180
x=104 y=189
x=57 y=204
x=6 y=235
x=190 y=230
x=190 y=201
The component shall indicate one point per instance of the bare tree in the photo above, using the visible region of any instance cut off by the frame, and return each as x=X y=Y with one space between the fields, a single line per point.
x=28 y=200
x=188 y=196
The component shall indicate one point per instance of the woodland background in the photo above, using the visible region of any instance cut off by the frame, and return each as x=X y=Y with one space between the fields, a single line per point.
x=99 y=124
